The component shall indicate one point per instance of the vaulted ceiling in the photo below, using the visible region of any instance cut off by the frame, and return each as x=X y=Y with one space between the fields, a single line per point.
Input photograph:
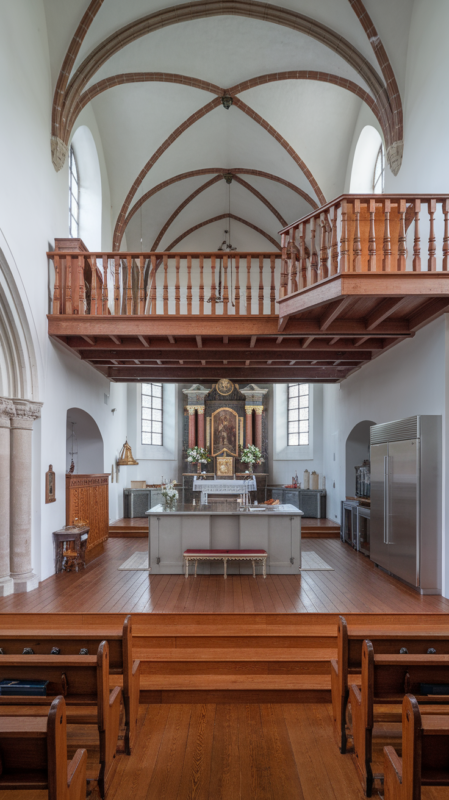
x=298 y=73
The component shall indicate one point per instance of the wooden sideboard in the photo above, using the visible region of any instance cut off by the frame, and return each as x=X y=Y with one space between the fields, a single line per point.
x=87 y=498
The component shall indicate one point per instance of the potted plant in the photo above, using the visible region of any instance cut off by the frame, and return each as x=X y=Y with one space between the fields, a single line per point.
x=251 y=455
x=198 y=455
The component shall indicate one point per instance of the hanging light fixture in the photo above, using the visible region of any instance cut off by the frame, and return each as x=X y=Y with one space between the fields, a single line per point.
x=126 y=458
x=225 y=246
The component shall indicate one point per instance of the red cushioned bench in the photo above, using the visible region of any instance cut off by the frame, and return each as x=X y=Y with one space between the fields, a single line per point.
x=225 y=556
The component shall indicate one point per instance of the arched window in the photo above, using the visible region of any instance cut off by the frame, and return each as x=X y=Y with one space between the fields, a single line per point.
x=74 y=196
x=379 y=172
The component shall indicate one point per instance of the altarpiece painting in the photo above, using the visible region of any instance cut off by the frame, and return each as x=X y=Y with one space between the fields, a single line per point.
x=224 y=431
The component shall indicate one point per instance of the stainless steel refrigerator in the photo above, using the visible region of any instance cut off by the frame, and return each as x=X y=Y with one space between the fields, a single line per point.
x=406 y=500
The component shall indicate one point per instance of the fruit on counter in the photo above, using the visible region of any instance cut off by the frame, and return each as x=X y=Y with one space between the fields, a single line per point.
x=271 y=502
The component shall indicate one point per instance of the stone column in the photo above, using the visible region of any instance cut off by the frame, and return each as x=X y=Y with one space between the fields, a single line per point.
x=6 y=412
x=258 y=411
x=201 y=437
x=249 y=425
x=21 y=449
x=191 y=410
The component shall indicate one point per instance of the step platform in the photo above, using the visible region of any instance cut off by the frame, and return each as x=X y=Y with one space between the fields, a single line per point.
x=311 y=528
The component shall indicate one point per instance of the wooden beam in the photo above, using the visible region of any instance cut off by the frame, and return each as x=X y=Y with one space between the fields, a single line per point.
x=334 y=311
x=307 y=341
x=361 y=341
x=115 y=339
x=171 y=340
x=334 y=340
x=253 y=341
x=236 y=346
x=279 y=339
x=427 y=313
x=291 y=363
x=89 y=339
x=199 y=342
x=144 y=341
x=383 y=310
x=282 y=323
x=225 y=339
x=205 y=373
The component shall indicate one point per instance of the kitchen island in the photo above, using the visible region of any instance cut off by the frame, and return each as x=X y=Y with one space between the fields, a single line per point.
x=276 y=529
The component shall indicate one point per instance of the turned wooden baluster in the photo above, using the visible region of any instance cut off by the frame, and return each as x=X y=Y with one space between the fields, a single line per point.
x=357 y=245
x=225 y=285
x=117 y=286
x=283 y=285
x=402 y=237
x=432 y=261
x=324 y=255
x=81 y=287
x=129 y=286
x=292 y=280
x=189 y=285
x=212 y=285
x=153 y=291
x=303 y=282
x=344 y=244
x=248 y=286
x=177 y=287
x=105 y=285
x=446 y=236
x=201 y=290
x=417 y=239
x=334 y=245
x=93 y=286
x=165 y=293
x=372 y=237
x=386 y=261
x=68 y=286
x=56 y=289
x=141 y=308
x=261 y=285
x=237 y=285
x=99 y=291
x=313 y=252
x=273 y=285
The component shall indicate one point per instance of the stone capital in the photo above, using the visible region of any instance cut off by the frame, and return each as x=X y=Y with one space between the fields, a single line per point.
x=25 y=412
x=192 y=409
x=257 y=409
x=6 y=412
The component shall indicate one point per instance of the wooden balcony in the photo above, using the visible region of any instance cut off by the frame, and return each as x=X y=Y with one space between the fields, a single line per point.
x=354 y=278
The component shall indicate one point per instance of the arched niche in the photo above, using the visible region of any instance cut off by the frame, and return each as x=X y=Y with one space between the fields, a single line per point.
x=88 y=443
x=18 y=359
x=357 y=451
x=89 y=175
x=364 y=161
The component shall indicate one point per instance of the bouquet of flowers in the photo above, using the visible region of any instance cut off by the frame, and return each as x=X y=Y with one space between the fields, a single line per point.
x=198 y=455
x=169 y=493
x=251 y=455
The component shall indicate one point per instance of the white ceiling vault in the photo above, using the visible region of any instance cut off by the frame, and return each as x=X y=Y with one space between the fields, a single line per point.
x=154 y=74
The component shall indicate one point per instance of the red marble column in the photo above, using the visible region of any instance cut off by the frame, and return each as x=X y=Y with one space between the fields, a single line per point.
x=201 y=437
x=258 y=441
x=249 y=426
x=191 y=426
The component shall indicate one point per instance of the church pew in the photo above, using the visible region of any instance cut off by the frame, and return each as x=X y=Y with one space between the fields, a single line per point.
x=385 y=681
x=71 y=643
x=347 y=667
x=425 y=754
x=33 y=755
x=83 y=681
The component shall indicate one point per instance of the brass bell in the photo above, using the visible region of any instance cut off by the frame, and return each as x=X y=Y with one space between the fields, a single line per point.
x=126 y=458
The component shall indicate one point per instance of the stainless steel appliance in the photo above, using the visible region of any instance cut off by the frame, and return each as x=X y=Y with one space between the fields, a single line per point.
x=406 y=500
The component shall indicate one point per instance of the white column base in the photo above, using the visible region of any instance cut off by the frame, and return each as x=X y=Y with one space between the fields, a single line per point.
x=25 y=583
x=6 y=586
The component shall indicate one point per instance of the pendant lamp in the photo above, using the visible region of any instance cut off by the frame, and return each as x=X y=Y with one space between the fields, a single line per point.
x=126 y=458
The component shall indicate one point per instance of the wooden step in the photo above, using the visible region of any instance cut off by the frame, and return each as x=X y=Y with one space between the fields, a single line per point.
x=146 y=646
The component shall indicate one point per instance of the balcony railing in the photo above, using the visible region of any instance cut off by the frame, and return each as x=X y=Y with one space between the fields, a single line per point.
x=366 y=234
x=161 y=284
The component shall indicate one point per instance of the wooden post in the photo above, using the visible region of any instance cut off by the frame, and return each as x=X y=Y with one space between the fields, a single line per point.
x=334 y=267
x=153 y=294
x=237 y=285
x=446 y=236
x=313 y=252
x=357 y=246
x=248 y=286
x=105 y=285
x=284 y=267
x=386 y=262
x=189 y=285
x=225 y=285
x=303 y=282
x=81 y=287
x=93 y=286
x=56 y=289
x=117 y=286
x=68 y=286
x=272 y=287
x=372 y=236
x=212 y=285
x=141 y=309
x=417 y=239
x=432 y=261
x=177 y=287
x=165 y=296
x=323 y=249
x=402 y=237
x=344 y=266
x=260 y=285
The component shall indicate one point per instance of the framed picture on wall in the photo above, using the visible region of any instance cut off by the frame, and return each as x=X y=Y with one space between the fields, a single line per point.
x=50 y=485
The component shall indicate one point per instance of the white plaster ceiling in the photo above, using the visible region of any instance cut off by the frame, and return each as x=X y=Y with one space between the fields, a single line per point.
x=316 y=119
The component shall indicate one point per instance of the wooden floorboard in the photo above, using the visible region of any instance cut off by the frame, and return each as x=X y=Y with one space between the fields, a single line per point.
x=354 y=585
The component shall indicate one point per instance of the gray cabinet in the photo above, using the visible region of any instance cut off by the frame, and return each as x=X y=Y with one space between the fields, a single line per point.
x=310 y=501
x=136 y=502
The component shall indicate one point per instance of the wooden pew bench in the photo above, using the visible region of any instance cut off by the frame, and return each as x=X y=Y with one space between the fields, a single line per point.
x=72 y=643
x=83 y=681
x=348 y=666
x=33 y=756
x=425 y=754
x=225 y=556
x=385 y=681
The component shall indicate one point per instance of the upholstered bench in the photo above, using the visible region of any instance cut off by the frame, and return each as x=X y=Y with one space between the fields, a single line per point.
x=225 y=556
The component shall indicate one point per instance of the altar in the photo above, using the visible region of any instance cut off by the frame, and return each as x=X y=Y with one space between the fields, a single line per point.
x=228 y=487
x=276 y=529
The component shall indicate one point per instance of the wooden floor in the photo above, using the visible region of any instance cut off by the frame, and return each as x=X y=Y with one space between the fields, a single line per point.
x=355 y=585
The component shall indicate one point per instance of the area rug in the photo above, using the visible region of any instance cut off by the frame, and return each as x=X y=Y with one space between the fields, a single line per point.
x=138 y=561
x=311 y=561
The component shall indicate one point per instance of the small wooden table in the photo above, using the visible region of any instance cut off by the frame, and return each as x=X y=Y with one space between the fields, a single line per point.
x=64 y=559
x=225 y=556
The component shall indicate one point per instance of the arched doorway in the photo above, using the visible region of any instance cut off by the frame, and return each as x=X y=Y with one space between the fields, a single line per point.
x=357 y=451
x=84 y=443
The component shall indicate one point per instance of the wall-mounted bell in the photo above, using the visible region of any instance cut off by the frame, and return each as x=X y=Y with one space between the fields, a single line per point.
x=126 y=458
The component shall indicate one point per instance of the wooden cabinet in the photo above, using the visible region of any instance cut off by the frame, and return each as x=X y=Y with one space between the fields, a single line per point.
x=87 y=498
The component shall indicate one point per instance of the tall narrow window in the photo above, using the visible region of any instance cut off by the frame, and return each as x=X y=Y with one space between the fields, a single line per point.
x=379 y=172
x=74 y=196
x=152 y=413
x=298 y=413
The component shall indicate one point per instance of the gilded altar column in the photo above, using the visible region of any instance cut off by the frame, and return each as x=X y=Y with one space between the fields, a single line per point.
x=22 y=574
x=249 y=425
x=6 y=412
x=201 y=438
x=258 y=411
x=191 y=410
